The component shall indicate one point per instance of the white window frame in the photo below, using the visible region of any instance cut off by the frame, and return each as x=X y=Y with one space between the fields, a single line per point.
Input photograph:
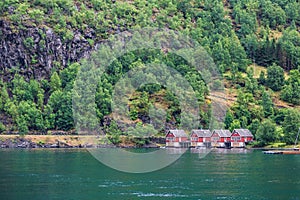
x=215 y=139
x=236 y=138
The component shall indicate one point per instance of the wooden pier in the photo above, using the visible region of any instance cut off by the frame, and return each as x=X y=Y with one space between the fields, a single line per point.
x=283 y=152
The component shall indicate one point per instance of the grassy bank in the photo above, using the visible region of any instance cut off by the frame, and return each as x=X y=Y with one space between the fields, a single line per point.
x=275 y=145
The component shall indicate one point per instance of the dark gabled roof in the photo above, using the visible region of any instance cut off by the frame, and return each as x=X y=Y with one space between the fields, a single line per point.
x=178 y=133
x=223 y=133
x=202 y=133
x=243 y=132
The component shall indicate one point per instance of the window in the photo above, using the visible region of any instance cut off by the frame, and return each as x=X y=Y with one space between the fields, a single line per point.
x=236 y=138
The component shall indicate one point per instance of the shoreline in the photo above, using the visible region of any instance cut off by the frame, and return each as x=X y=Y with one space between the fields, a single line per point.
x=88 y=141
x=70 y=141
x=267 y=148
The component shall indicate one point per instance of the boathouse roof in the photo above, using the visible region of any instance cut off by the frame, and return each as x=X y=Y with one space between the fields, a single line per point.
x=243 y=132
x=223 y=133
x=202 y=133
x=178 y=133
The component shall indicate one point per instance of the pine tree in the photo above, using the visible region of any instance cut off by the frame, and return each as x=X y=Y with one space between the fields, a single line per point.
x=55 y=82
x=267 y=104
x=291 y=125
x=262 y=78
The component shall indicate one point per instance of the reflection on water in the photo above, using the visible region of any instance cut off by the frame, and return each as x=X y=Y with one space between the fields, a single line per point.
x=232 y=151
x=175 y=150
x=201 y=152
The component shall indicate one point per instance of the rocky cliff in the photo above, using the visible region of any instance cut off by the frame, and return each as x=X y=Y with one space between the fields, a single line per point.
x=35 y=51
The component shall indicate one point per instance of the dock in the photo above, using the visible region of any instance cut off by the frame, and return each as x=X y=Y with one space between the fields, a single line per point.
x=283 y=152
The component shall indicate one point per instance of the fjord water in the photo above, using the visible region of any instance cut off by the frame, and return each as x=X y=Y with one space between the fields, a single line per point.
x=75 y=174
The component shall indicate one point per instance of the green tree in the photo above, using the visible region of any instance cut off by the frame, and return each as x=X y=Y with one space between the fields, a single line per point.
x=55 y=82
x=11 y=109
x=244 y=121
x=289 y=51
x=60 y=105
x=253 y=127
x=279 y=115
x=36 y=91
x=291 y=125
x=266 y=132
x=68 y=76
x=291 y=91
x=2 y=127
x=49 y=117
x=103 y=97
x=22 y=125
x=113 y=132
x=36 y=14
x=235 y=124
x=251 y=45
x=275 y=77
x=267 y=104
x=241 y=106
x=20 y=89
x=272 y=14
x=4 y=98
x=292 y=11
x=266 y=53
x=238 y=54
x=228 y=119
x=29 y=114
x=262 y=78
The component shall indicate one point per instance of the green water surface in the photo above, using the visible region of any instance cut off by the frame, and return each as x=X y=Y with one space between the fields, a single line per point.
x=75 y=174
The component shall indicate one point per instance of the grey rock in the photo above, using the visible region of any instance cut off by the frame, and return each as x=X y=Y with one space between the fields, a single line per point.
x=14 y=53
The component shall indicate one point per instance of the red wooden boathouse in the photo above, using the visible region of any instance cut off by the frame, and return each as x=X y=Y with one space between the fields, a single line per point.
x=219 y=138
x=200 y=138
x=176 y=138
x=240 y=137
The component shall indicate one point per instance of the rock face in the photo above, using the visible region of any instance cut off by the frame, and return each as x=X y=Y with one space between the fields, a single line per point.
x=17 y=143
x=34 y=51
x=22 y=142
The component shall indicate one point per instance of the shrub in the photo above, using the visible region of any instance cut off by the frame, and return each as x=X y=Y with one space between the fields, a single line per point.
x=2 y=127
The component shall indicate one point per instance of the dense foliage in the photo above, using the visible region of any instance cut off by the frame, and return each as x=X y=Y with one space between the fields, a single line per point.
x=254 y=43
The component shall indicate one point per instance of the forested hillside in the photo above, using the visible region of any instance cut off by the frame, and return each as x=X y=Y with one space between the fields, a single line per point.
x=254 y=43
